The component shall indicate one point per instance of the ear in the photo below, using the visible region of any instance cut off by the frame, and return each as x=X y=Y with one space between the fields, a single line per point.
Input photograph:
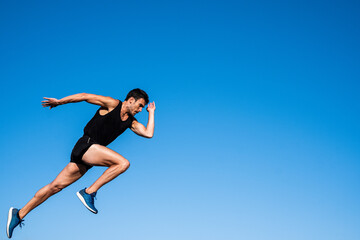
x=131 y=100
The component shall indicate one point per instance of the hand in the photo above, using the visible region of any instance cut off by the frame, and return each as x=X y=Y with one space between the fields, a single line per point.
x=151 y=107
x=50 y=102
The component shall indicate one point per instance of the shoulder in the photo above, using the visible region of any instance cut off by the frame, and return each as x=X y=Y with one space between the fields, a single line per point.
x=103 y=101
x=109 y=106
x=112 y=102
x=133 y=121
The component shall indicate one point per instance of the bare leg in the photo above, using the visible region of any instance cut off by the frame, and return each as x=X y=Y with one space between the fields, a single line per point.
x=98 y=155
x=71 y=173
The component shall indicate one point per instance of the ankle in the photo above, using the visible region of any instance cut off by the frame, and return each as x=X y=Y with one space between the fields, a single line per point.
x=88 y=192
x=20 y=216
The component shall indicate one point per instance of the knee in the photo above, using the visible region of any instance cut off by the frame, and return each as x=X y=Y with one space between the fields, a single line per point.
x=123 y=164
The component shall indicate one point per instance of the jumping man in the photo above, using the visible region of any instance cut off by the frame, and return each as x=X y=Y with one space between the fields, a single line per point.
x=112 y=119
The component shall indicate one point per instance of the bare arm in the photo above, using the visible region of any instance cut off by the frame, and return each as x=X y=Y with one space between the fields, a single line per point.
x=147 y=131
x=106 y=102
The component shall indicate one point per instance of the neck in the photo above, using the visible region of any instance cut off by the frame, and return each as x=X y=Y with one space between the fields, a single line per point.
x=124 y=109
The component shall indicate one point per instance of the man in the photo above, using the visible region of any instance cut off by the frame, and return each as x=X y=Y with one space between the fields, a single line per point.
x=112 y=119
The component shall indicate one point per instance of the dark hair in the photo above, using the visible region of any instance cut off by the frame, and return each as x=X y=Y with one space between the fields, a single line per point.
x=137 y=93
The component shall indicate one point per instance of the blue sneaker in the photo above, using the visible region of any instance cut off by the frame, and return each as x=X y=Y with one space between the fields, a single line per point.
x=87 y=200
x=13 y=221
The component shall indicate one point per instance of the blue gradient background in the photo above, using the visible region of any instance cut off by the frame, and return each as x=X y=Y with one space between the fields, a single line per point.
x=257 y=121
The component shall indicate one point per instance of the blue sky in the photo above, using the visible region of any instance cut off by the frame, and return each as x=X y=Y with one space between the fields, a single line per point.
x=257 y=121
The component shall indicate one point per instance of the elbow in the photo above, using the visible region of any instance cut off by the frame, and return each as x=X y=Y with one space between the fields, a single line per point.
x=83 y=95
x=149 y=135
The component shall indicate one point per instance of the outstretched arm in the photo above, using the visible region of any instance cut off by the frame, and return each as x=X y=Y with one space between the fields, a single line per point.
x=147 y=131
x=106 y=102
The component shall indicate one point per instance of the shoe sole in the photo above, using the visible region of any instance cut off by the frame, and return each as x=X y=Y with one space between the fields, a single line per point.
x=8 y=222
x=83 y=201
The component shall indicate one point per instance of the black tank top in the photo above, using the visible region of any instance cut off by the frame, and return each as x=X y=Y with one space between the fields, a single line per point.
x=105 y=129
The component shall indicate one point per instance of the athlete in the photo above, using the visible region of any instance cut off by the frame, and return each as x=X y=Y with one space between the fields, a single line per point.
x=111 y=119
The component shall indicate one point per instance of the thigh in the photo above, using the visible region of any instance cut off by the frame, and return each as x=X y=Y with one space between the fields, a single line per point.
x=98 y=155
x=71 y=173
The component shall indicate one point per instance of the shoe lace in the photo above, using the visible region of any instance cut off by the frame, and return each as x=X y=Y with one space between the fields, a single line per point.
x=21 y=223
x=93 y=196
x=91 y=199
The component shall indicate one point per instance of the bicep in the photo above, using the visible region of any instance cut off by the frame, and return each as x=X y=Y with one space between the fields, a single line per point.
x=138 y=128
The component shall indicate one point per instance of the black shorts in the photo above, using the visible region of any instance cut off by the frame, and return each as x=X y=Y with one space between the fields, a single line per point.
x=79 y=150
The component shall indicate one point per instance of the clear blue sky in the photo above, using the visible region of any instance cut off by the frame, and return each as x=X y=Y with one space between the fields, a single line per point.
x=257 y=122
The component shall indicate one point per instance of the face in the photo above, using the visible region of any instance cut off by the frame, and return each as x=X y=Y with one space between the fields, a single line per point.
x=136 y=106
